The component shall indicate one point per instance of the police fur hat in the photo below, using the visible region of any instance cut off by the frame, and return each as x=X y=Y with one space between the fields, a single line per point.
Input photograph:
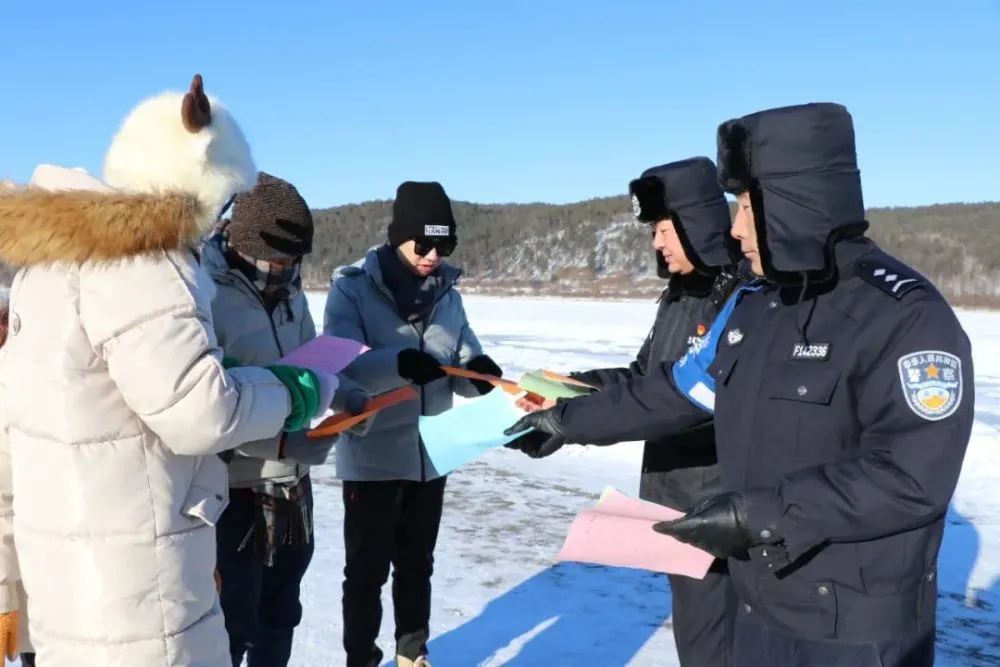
x=687 y=192
x=799 y=166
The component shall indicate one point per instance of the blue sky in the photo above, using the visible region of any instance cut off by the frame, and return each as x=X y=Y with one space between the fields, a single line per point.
x=513 y=100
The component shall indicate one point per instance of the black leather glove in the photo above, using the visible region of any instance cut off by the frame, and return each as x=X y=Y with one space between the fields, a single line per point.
x=717 y=524
x=485 y=365
x=537 y=444
x=418 y=367
x=545 y=439
x=590 y=377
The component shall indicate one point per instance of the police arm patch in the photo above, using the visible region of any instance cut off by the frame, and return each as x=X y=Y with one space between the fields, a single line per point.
x=932 y=383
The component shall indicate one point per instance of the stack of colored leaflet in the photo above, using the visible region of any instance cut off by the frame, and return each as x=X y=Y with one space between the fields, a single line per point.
x=552 y=386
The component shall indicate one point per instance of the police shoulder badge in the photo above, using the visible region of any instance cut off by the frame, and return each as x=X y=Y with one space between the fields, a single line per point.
x=636 y=208
x=895 y=282
x=932 y=383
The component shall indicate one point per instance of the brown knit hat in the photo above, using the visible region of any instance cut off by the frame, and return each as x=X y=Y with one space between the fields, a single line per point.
x=272 y=222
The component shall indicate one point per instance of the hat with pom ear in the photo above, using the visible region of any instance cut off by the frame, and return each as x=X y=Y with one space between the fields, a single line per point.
x=185 y=143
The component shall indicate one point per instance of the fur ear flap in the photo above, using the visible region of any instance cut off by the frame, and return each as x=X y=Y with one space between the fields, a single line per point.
x=733 y=157
x=649 y=199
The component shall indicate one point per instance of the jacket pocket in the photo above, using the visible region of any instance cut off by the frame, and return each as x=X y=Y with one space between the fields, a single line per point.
x=804 y=608
x=802 y=422
x=208 y=495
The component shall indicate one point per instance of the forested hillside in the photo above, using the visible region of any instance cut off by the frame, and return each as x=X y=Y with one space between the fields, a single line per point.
x=593 y=247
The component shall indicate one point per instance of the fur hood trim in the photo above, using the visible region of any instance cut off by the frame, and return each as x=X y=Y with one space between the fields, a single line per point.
x=41 y=227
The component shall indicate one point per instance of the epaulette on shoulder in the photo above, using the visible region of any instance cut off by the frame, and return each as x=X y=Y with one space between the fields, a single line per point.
x=893 y=279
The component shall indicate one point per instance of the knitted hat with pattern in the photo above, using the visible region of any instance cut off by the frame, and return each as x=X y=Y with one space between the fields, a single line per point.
x=272 y=222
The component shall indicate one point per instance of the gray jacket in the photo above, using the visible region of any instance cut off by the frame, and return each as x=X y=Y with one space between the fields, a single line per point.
x=359 y=306
x=248 y=333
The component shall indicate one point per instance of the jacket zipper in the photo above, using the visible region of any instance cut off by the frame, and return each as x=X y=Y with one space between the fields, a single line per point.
x=227 y=456
x=420 y=343
x=270 y=317
x=423 y=406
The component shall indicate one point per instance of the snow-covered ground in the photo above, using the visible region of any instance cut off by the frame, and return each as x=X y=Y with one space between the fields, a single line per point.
x=499 y=599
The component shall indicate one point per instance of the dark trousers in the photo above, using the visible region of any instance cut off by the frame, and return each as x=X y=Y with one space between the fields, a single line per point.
x=703 y=615
x=389 y=523
x=260 y=602
x=27 y=660
x=756 y=645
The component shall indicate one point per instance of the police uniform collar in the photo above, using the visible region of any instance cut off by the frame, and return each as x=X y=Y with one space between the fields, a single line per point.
x=843 y=256
x=694 y=284
x=849 y=251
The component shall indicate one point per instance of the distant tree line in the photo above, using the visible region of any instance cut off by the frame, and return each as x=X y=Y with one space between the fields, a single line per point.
x=592 y=247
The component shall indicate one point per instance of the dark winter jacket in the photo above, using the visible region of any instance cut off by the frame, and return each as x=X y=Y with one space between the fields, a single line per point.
x=843 y=393
x=680 y=469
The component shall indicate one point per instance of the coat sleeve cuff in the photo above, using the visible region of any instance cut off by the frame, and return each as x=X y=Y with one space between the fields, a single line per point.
x=763 y=510
x=782 y=541
x=764 y=522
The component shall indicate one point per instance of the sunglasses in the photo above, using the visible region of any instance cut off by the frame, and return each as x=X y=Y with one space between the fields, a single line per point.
x=445 y=245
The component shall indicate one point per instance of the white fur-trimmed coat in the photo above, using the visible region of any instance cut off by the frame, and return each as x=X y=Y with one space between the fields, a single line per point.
x=116 y=400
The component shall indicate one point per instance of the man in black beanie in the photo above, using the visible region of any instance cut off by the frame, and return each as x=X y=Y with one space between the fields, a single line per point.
x=400 y=301
x=422 y=213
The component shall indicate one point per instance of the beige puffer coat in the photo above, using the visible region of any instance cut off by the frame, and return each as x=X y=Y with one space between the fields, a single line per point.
x=116 y=401
x=11 y=591
x=116 y=404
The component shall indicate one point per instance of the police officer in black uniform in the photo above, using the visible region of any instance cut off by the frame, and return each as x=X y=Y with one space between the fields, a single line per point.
x=843 y=393
x=689 y=218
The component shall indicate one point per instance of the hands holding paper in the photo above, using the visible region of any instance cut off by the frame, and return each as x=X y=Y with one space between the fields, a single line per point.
x=486 y=366
x=311 y=393
x=546 y=436
x=421 y=368
x=527 y=405
x=717 y=524
x=356 y=402
x=616 y=532
x=418 y=367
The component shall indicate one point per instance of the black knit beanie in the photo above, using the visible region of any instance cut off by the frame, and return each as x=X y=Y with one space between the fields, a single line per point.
x=272 y=222
x=421 y=209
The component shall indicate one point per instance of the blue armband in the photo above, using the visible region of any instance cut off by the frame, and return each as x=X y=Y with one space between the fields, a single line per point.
x=690 y=372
